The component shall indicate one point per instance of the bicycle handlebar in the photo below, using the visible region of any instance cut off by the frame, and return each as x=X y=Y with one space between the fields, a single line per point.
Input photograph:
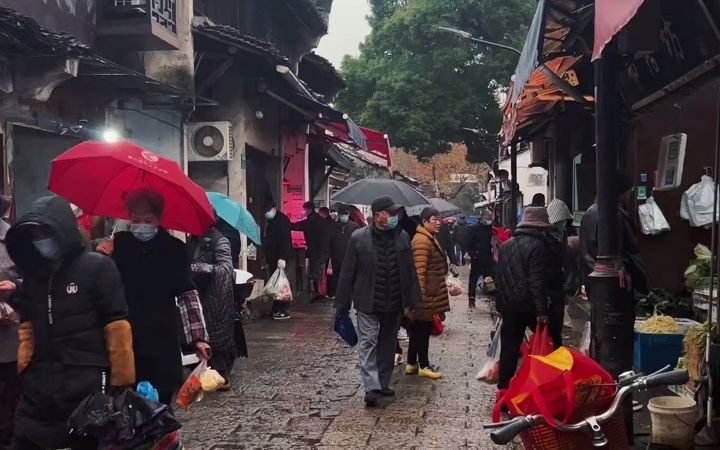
x=507 y=431
x=673 y=378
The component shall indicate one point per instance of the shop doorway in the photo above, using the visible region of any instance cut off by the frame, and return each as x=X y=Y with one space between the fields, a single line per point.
x=258 y=196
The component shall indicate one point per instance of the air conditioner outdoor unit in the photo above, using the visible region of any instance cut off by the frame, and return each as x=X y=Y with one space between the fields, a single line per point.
x=208 y=141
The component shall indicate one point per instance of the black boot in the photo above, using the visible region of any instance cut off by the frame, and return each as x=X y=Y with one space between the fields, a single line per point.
x=471 y=302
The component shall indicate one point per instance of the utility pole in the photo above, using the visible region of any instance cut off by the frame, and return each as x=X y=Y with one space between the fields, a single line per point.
x=612 y=309
x=514 y=187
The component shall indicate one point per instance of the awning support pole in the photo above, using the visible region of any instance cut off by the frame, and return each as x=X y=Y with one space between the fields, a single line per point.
x=612 y=307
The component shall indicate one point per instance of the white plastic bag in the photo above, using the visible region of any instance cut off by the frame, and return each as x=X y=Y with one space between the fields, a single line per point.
x=490 y=366
x=191 y=391
x=454 y=285
x=652 y=220
x=278 y=286
x=584 y=346
x=696 y=204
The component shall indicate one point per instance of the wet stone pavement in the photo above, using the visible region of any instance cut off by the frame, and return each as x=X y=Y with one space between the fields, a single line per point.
x=301 y=389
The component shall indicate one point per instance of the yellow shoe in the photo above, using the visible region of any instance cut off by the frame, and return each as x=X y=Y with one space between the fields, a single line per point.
x=411 y=369
x=430 y=372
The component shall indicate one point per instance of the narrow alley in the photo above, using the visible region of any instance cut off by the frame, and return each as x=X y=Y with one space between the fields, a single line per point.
x=301 y=389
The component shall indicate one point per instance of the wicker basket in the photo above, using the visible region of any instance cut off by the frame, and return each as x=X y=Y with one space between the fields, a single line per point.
x=543 y=437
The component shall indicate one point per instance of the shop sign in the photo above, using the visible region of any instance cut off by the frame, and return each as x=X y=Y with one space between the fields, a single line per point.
x=686 y=40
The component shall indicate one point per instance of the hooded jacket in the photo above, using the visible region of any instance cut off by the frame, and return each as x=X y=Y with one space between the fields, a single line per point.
x=74 y=336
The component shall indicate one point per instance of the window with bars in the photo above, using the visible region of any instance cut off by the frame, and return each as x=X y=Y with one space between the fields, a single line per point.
x=163 y=12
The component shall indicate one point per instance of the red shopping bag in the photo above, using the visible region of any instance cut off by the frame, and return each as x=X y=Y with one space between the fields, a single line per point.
x=437 y=326
x=555 y=385
x=539 y=343
x=322 y=285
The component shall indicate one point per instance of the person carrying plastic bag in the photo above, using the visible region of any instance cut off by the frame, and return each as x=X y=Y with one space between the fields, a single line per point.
x=278 y=286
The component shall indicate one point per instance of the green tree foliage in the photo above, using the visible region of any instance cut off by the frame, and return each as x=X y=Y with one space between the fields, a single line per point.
x=421 y=85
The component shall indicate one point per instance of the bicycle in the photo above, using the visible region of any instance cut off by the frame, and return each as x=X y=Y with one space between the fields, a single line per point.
x=628 y=382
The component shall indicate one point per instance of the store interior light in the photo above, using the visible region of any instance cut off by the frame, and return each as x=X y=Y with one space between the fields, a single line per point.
x=110 y=135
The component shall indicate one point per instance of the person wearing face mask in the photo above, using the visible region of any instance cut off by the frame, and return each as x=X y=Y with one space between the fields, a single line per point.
x=277 y=245
x=334 y=215
x=378 y=278
x=340 y=233
x=315 y=228
x=431 y=266
x=74 y=336
x=155 y=270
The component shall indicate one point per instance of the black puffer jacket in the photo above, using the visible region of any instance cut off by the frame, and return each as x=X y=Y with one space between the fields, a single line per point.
x=523 y=274
x=388 y=294
x=68 y=307
x=356 y=286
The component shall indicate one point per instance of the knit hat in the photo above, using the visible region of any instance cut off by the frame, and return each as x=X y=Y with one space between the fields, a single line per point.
x=558 y=211
x=535 y=217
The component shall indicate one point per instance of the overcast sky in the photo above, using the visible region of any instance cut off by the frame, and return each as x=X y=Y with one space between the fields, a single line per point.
x=348 y=29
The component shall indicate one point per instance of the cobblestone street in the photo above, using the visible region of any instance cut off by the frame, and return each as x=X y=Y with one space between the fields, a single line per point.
x=301 y=389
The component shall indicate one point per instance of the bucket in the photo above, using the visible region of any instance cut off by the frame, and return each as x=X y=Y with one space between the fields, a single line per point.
x=673 y=421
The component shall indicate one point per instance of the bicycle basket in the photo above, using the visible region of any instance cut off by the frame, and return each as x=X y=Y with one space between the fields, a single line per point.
x=543 y=437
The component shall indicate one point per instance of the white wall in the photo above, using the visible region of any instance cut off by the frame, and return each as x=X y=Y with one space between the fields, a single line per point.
x=524 y=172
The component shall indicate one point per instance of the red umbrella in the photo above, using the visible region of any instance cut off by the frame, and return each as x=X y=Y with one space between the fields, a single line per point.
x=98 y=176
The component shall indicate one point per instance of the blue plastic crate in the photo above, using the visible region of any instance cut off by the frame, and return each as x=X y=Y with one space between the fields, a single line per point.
x=652 y=352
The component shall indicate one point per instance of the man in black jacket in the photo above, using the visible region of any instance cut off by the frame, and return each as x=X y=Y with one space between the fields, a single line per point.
x=524 y=277
x=480 y=251
x=633 y=266
x=74 y=333
x=340 y=232
x=277 y=245
x=316 y=231
x=378 y=277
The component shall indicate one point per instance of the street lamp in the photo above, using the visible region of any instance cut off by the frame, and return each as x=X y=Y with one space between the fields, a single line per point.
x=466 y=35
x=548 y=72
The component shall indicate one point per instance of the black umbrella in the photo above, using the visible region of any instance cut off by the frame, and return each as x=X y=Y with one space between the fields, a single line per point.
x=363 y=192
x=445 y=207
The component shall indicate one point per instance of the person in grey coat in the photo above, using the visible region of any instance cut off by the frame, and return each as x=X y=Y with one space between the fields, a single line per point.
x=212 y=270
x=9 y=322
x=378 y=278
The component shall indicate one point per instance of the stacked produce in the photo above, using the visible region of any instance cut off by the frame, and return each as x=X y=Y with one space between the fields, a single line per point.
x=695 y=343
x=697 y=275
x=659 y=325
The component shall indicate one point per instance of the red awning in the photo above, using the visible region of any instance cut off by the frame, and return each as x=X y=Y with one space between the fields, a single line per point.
x=378 y=143
x=610 y=17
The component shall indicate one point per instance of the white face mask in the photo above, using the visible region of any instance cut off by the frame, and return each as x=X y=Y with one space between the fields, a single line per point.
x=143 y=231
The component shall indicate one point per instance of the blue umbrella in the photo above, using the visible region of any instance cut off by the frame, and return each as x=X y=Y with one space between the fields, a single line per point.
x=236 y=215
